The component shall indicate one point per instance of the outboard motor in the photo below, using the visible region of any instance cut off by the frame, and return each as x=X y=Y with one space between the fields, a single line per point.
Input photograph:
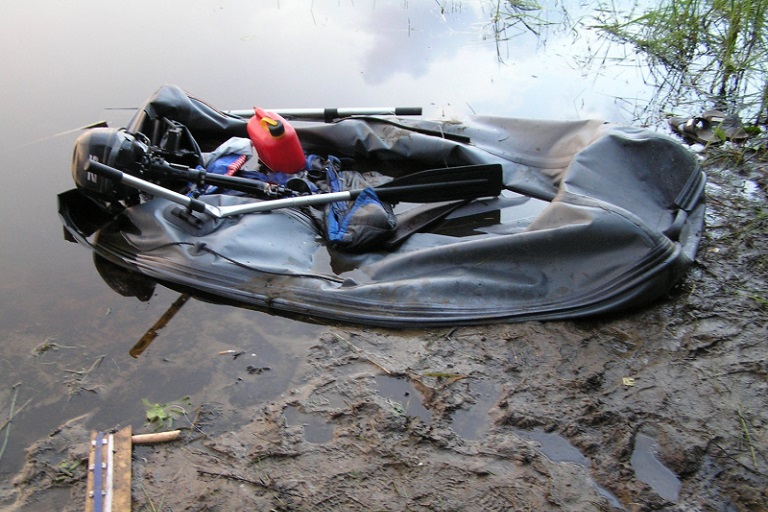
x=133 y=154
x=116 y=148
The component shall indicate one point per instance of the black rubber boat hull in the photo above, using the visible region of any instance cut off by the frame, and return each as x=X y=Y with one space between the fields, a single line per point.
x=597 y=218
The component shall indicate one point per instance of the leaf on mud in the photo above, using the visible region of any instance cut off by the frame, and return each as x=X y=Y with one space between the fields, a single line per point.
x=163 y=415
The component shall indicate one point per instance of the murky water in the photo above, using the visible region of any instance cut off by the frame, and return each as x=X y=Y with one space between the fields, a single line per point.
x=403 y=397
x=68 y=64
x=314 y=428
x=473 y=422
x=650 y=470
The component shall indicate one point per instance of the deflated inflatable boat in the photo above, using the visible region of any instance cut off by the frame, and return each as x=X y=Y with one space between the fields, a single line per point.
x=388 y=220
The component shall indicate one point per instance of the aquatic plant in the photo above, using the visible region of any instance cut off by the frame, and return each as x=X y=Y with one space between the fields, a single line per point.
x=711 y=51
x=510 y=18
x=701 y=53
x=163 y=415
x=526 y=13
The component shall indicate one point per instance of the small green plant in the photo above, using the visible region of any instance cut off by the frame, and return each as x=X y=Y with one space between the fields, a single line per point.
x=69 y=471
x=162 y=416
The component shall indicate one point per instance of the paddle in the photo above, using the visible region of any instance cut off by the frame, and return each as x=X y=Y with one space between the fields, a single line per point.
x=329 y=114
x=435 y=185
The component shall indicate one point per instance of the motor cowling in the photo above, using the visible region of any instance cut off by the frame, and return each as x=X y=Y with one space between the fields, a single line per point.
x=116 y=148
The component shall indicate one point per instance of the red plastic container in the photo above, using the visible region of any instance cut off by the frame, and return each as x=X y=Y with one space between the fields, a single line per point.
x=276 y=142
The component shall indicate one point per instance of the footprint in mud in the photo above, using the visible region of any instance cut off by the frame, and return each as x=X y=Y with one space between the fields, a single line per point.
x=403 y=396
x=557 y=449
x=650 y=470
x=316 y=430
x=472 y=423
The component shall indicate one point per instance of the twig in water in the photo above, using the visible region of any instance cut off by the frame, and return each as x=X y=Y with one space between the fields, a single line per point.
x=15 y=413
x=81 y=376
x=236 y=478
x=149 y=498
x=10 y=417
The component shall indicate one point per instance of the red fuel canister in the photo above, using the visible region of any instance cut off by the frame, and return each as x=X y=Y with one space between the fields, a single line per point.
x=276 y=142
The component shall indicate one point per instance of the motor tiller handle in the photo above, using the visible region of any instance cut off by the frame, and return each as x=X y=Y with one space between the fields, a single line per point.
x=110 y=173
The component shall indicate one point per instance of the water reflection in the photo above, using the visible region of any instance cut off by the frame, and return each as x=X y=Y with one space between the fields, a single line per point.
x=649 y=470
x=704 y=51
x=692 y=54
x=412 y=45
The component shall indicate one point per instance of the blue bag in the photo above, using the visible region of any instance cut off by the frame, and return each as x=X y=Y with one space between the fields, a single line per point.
x=358 y=225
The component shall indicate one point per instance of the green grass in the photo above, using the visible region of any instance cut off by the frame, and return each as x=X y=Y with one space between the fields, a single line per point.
x=699 y=53
x=714 y=50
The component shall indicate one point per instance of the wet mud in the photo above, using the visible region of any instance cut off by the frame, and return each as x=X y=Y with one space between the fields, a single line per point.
x=659 y=409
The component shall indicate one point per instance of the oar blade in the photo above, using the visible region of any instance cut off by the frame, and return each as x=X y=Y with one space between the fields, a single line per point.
x=448 y=184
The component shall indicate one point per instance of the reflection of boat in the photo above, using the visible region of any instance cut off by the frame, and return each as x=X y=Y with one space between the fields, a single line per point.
x=594 y=218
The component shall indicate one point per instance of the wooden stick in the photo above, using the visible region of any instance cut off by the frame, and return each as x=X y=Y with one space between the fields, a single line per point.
x=151 y=334
x=158 y=437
